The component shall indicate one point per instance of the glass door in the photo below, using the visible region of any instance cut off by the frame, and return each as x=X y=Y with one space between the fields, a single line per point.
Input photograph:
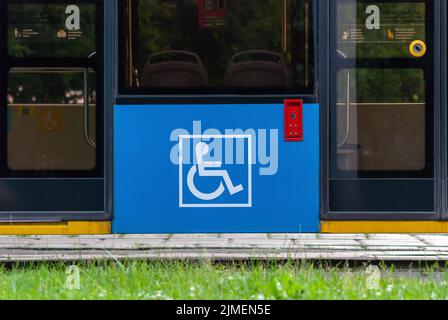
x=382 y=109
x=51 y=115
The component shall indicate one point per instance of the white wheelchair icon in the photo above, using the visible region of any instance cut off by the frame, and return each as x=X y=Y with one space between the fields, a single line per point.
x=202 y=149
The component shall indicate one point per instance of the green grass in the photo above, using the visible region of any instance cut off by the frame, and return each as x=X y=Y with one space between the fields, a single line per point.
x=163 y=280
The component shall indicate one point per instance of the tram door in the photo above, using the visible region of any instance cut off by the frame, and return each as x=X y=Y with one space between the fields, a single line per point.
x=51 y=158
x=382 y=109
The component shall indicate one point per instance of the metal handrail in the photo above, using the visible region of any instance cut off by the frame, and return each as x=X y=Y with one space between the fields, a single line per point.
x=86 y=111
x=383 y=104
x=86 y=107
x=347 y=104
x=46 y=105
x=50 y=70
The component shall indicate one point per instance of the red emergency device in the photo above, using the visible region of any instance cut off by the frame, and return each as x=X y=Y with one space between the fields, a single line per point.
x=294 y=120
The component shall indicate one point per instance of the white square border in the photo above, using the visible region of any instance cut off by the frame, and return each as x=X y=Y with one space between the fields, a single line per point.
x=216 y=136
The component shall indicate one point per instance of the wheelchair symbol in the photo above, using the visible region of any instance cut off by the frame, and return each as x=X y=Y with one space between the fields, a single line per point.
x=50 y=124
x=212 y=184
x=205 y=169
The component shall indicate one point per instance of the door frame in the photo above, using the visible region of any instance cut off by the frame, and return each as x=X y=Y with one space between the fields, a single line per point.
x=443 y=110
x=440 y=164
x=104 y=41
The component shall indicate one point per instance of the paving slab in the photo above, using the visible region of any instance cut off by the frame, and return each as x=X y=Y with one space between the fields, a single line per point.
x=340 y=247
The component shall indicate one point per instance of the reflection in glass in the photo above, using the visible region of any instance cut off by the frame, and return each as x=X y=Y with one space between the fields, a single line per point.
x=383 y=127
x=219 y=44
x=46 y=114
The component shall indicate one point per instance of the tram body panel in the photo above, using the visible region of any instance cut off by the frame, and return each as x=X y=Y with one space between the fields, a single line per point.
x=152 y=194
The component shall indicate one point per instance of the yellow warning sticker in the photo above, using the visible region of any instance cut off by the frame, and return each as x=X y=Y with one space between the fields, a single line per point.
x=26 y=112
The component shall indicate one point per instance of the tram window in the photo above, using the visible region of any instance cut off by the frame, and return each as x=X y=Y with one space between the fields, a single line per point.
x=45 y=120
x=383 y=128
x=367 y=29
x=51 y=30
x=211 y=46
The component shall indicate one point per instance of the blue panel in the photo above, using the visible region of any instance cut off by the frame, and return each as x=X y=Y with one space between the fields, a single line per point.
x=277 y=191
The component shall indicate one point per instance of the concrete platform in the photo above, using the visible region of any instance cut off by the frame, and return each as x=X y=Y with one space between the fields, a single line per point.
x=337 y=247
